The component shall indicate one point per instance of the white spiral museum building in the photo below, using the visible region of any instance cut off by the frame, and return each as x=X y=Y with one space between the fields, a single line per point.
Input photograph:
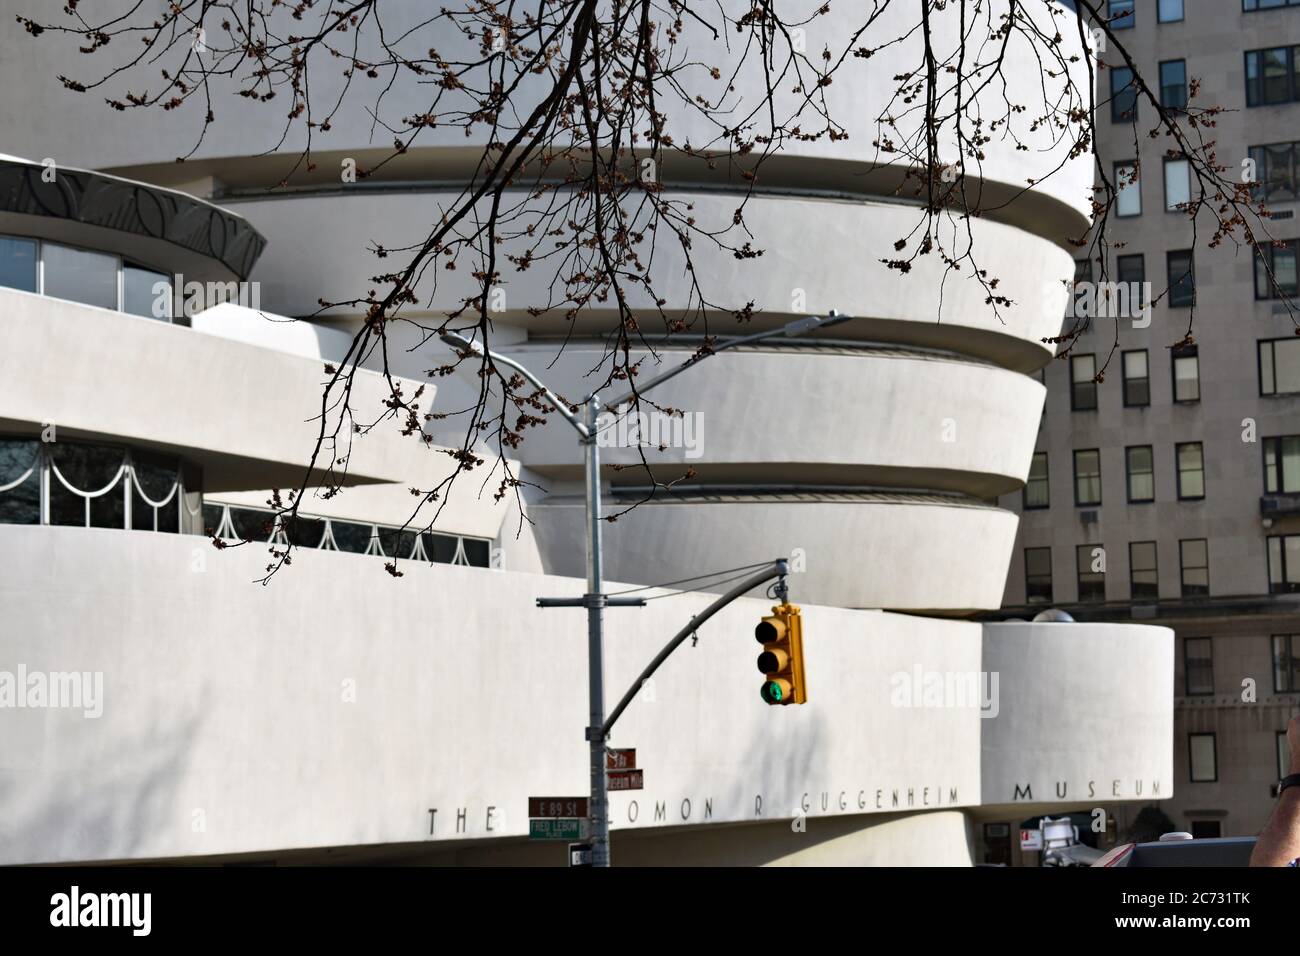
x=342 y=714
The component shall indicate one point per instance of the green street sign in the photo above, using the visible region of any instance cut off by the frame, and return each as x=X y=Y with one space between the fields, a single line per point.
x=557 y=829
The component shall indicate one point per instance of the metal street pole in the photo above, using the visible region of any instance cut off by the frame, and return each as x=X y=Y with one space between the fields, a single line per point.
x=594 y=600
x=599 y=810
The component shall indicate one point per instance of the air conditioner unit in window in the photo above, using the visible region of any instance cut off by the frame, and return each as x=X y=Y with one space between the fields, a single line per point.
x=1088 y=517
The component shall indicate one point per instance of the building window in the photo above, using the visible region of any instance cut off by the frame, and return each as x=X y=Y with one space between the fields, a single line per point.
x=234 y=523
x=1279 y=366
x=97 y=486
x=1270 y=76
x=1120 y=13
x=82 y=275
x=1275 y=173
x=1275 y=269
x=1191 y=471
x=1198 y=667
x=1286 y=663
x=1173 y=84
x=1036 y=489
x=1178 y=184
x=1194 y=565
x=1181 y=274
x=1251 y=5
x=1132 y=273
x=1201 y=758
x=1283 y=563
x=1186 y=374
x=1123 y=95
x=1137 y=378
x=1087 y=477
x=1038 y=575
x=1282 y=465
x=1143 y=578
x=1283 y=754
x=1083 y=382
x=1092 y=577
x=18 y=263
x=1141 y=474
x=1128 y=189
x=1169 y=11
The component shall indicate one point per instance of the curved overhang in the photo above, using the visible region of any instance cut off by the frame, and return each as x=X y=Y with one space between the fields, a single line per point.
x=159 y=227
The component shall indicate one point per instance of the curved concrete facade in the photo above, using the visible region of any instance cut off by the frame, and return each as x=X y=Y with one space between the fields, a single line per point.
x=343 y=710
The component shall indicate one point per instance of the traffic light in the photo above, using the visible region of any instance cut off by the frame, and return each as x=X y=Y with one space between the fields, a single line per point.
x=782 y=659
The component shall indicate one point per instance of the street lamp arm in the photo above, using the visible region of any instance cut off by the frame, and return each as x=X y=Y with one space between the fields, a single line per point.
x=460 y=342
x=791 y=329
x=778 y=568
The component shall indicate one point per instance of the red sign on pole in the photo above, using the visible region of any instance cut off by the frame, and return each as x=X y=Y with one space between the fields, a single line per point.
x=626 y=779
x=620 y=759
x=554 y=807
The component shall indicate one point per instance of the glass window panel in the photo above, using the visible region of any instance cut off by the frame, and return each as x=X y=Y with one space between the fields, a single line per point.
x=1194 y=564
x=1290 y=449
x=1120 y=14
x=109 y=509
x=1123 y=95
x=1141 y=474
x=1092 y=583
x=1128 y=191
x=397 y=544
x=18 y=263
x=1201 y=752
x=1286 y=366
x=20 y=504
x=352 y=537
x=1187 y=379
x=304 y=532
x=1087 y=477
x=1036 y=488
x=1173 y=84
x=251 y=525
x=1191 y=471
x=212 y=515
x=1178 y=183
x=79 y=275
x=1143 y=577
x=1038 y=575
x=1198 y=664
x=1169 y=11
x=146 y=292
x=1276 y=75
x=1182 y=278
x=440 y=548
x=1267 y=384
x=478 y=552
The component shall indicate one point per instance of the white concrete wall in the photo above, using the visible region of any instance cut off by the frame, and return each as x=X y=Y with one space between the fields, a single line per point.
x=228 y=698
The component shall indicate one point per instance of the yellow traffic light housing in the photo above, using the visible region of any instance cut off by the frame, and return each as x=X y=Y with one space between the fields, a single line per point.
x=782 y=659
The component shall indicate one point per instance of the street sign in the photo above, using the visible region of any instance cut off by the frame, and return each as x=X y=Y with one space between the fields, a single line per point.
x=557 y=806
x=1031 y=839
x=626 y=779
x=563 y=829
x=620 y=759
x=579 y=854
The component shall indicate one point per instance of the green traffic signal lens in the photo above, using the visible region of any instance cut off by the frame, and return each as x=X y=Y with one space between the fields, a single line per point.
x=771 y=692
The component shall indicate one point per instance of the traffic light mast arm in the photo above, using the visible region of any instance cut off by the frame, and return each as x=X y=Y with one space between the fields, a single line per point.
x=778 y=569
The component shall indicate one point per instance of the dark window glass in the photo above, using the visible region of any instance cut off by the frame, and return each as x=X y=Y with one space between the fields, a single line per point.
x=304 y=532
x=1137 y=378
x=1280 y=260
x=1143 y=578
x=1083 y=385
x=1123 y=95
x=1275 y=173
x=1282 y=465
x=351 y=537
x=1087 y=477
x=18 y=263
x=1202 y=760
x=155 y=497
x=1182 y=278
x=1279 y=366
x=1286 y=663
x=1092 y=579
x=251 y=525
x=1120 y=13
x=1169 y=11
x=1283 y=563
x=87 y=470
x=212 y=515
x=1198 y=666
x=440 y=548
x=1141 y=473
x=20 y=479
x=478 y=553
x=1036 y=488
x=1173 y=84
x=1038 y=575
x=397 y=544
x=1194 y=562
